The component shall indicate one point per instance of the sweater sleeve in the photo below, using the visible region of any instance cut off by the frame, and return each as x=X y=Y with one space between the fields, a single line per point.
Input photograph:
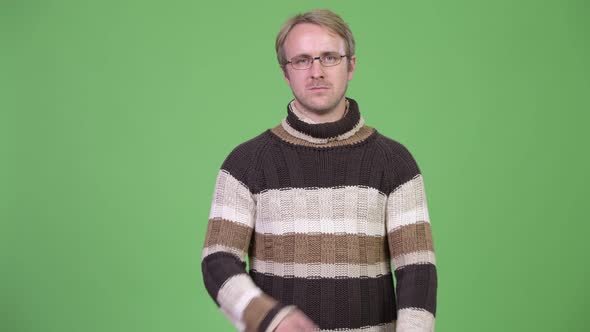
x=411 y=247
x=227 y=241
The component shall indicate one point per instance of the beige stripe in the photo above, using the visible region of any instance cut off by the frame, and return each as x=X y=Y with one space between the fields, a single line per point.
x=414 y=319
x=363 y=133
x=407 y=204
x=419 y=257
x=228 y=233
x=232 y=200
x=234 y=296
x=320 y=248
x=321 y=270
x=389 y=327
x=350 y=209
x=410 y=238
x=256 y=310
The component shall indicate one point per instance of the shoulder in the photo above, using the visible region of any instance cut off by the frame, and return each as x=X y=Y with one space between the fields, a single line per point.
x=243 y=158
x=392 y=147
x=401 y=166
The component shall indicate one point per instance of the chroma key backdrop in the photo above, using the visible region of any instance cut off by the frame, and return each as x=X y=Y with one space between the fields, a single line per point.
x=115 y=117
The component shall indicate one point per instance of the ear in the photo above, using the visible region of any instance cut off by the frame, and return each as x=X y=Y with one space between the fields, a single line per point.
x=351 y=66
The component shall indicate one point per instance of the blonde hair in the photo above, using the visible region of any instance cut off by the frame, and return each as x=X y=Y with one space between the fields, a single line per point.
x=322 y=17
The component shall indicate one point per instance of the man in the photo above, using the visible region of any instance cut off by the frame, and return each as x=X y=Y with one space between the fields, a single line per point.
x=324 y=206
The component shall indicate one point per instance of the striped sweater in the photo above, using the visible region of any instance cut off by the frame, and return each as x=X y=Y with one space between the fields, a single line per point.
x=328 y=215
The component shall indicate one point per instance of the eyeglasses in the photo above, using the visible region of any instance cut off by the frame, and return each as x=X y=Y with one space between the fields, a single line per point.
x=327 y=59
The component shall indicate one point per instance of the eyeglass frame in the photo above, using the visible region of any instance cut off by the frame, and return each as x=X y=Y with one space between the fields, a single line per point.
x=319 y=58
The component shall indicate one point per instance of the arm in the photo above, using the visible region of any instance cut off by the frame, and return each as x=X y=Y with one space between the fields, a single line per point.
x=230 y=227
x=412 y=250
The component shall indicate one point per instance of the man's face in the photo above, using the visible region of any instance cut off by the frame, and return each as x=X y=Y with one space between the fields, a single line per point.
x=317 y=89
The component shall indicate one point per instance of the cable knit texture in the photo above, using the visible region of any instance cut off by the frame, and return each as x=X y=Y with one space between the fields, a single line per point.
x=328 y=215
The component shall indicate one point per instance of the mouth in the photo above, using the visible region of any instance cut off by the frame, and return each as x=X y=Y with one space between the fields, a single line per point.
x=318 y=88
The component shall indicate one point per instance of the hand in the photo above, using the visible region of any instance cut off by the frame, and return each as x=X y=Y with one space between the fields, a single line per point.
x=296 y=321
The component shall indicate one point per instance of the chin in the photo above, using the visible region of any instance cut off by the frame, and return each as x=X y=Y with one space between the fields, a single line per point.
x=321 y=106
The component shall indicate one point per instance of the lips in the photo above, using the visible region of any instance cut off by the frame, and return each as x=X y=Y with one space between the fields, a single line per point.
x=319 y=87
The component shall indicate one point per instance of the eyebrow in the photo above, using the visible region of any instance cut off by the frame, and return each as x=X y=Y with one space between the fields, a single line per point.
x=306 y=54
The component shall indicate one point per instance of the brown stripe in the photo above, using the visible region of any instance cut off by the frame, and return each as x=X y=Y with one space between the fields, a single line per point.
x=410 y=238
x=227 y=233
x=256 y=310
x=320 y=248
x=363 y=133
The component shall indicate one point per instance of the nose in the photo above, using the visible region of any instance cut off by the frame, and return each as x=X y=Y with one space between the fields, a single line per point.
x=316 y=70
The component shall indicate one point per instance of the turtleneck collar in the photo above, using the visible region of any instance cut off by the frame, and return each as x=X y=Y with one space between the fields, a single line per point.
x=320 y=133
x=298 y=113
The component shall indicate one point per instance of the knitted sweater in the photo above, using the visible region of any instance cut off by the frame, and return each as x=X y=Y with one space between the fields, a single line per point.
x=327 y=214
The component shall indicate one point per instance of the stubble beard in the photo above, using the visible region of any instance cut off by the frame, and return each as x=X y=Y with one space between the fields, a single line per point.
x=325 y=109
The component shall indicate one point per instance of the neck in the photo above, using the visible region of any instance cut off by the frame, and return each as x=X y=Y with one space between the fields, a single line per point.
x=332 y=115
x=348 y=130
x=318 y=133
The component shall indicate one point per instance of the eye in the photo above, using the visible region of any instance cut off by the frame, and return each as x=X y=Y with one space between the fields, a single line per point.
x=300 y=60
x=330 y=57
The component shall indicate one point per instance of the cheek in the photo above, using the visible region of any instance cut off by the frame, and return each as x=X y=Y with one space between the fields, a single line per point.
x=297 y=84
x=340 y=80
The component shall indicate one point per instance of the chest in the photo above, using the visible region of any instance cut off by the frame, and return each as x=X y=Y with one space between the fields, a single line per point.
x=352 y=209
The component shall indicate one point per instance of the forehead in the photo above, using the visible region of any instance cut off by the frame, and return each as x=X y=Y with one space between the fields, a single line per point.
x=307 y=38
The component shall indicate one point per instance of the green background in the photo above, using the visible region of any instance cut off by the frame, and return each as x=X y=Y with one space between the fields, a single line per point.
x=116 y=116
